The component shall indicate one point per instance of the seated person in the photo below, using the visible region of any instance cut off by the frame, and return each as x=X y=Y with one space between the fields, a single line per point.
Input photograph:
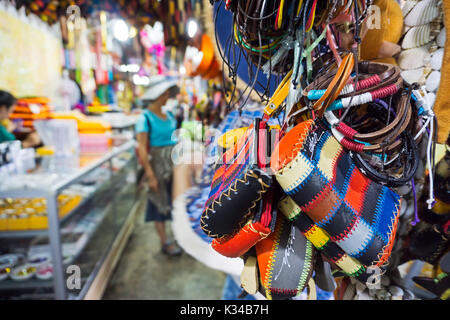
x=7 y=101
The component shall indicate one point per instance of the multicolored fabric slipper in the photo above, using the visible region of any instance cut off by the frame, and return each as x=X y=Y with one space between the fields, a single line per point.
x=240 y=181
x=257 y=228
x=322 y=242
x=285 y=260
x=359 y=215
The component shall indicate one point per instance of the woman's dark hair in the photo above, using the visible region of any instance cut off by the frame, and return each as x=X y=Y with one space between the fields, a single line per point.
x=173 y=91
x=7 y=99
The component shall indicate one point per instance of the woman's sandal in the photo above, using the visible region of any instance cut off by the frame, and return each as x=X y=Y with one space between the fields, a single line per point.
x=171 y=249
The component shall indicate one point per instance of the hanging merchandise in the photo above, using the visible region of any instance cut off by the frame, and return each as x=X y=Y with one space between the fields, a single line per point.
x=208 y=60
x=152 y=38
x=50 y=10
x=188 y=206
x=207 y=56
x=202 y=62
x=27 y=110
x=421 y=58
x=353 y=190
x=79 y=56
x=237 y=189
x=382 y=32
x=29 y=48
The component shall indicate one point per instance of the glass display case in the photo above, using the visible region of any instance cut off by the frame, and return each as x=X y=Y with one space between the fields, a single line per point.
x=59 y=223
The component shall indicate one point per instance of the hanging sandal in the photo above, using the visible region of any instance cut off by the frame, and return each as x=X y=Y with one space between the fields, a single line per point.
x=171 y=249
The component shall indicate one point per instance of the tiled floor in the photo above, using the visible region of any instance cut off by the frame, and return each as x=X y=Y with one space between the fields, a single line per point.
x=143 y=272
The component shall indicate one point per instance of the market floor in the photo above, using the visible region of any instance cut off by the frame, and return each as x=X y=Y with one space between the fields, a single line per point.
x=144 y=273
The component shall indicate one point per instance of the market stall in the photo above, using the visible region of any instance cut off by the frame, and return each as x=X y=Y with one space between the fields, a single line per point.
x=347 y=201
x=300 y=149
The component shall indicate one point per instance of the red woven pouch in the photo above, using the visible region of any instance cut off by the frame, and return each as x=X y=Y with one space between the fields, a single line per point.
x=254 y=231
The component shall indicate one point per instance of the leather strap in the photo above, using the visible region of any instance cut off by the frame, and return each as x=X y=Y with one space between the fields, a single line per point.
x=378 y=148
x=279 y=95
x=282 y=90
x=392 y=127
x=388 y=74
x=410 y=170
x=249 y=275
x=312 y=293
x=336 y=85
x=392 y=136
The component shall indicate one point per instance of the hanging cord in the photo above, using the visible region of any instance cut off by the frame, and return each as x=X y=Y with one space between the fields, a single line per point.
x=355 y=50
x=233 y=42
x=429 y=125
x=424 y=127
x=302 y=40
x=249 y=53
x=250 y=74
x=383 y=157
x=231 y=69
x=256 y=18
x=433 y=137
x=332 y=45
x=257 y=72
x=431 y=199
x=416 y=216
x=222 y=54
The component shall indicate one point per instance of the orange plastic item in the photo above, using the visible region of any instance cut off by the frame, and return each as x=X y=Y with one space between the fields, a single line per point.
x=93 y=126
x=214 y=70
x=34 y=100
x=85 y=125
x=29 y=116
x=26 y=109
x=70 y=115
x=208 y=55
x=28 y=123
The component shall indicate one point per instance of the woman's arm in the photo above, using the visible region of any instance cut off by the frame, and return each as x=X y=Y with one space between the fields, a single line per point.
x=142 y=139
x=32 y=140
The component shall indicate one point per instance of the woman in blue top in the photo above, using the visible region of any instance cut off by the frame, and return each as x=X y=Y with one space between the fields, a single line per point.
x=154 y=130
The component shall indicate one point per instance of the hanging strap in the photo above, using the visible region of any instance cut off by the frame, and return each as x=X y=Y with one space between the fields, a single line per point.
x=337 y=84
x=279 y=96
x=312 y=293
x=283 y=89
x=309 y=66
x=249 y=276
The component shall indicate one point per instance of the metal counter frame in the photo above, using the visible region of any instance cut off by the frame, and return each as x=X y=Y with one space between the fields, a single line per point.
x=52 y=210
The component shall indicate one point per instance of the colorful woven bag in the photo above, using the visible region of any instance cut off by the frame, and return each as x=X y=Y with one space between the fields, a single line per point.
x=240 y=180
x=285 y=261
x=258 y=227
x=322 y=242
x=359 y=215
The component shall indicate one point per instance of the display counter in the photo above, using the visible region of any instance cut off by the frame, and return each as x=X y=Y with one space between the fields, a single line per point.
x=61 y=223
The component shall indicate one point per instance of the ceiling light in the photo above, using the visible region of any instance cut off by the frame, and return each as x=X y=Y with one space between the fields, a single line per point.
x=133 y=32
x=192 y=28
x=133 y=68
x=120 y=30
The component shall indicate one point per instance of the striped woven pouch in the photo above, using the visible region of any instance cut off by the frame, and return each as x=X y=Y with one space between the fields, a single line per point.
x=322 y=242
x=359 y=215
x=285 y=261
x=240 y=181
